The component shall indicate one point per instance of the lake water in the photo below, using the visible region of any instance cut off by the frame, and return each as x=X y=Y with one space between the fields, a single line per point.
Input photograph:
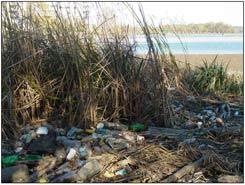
x=199 y=44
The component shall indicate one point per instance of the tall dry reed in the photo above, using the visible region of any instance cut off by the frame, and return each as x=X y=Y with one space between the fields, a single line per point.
x=62 y=68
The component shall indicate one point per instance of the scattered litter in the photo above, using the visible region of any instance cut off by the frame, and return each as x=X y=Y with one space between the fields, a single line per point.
x=137 y=127
x=209 y=113
x=18 y=149
x=205 y=147
x=129 y=136
x=191 y=98
x=190 y=125
x=115 y=126
x=83 y=152
x=121 y=172
x=72 y=154
x=230 y=179
x=117 y=144
x=67 y=143
x=13 y=159
x=43 y=145
x=89 y=170
x=127 y=156
x=237 y=113
x=189 y=141
x=212 y=118
x=140 y=139
x=10 y=160
x=200 y=117
x=60 y=153
x=199 y=124
x=16 y=174
x=100 y=126
x=69 y=176
x=97 y=150
x=71 y=134
x=42 y=131
x=60 y=131
x=108 y=174
x=225 y=111
x=219 y=122
x=43 y=180
x=95 y=136
x=46 y=165
x=26 y=138
x=102 y=131
x=30 y=157
x=89 y=131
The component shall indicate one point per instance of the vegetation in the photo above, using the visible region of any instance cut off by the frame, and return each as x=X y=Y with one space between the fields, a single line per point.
x=212 y=77
x=63 y=69
x=211 y=27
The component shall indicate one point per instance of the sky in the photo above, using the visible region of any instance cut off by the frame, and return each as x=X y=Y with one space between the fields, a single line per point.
x=186 y=12
x=197 y=12
x=172 y=12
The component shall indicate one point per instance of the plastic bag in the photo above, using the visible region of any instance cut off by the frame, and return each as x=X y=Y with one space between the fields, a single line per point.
x=10 y=160
x=137 y=127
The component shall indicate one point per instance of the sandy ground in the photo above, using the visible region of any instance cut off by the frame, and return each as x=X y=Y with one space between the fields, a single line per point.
x=235 y=60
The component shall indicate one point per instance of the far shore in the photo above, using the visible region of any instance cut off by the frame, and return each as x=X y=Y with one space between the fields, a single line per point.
x=235 y=60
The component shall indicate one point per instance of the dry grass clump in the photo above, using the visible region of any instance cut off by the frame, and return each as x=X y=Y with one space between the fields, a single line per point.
x=61 y=67
x=151 y=163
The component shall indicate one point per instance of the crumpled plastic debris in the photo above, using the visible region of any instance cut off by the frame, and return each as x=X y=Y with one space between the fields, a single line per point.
x=42 y=131
x=72 y=154
x=137 y=127
x=121 y=172
x=71 y=134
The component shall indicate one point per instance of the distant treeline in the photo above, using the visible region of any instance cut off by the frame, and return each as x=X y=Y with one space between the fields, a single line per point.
x=204 y=28
x=211 y=27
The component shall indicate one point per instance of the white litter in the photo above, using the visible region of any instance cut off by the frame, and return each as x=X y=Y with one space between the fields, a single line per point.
x=236 y=113
x=42 y=131
x=140 y=138
x=100 y=126
x=72 y=153
x=190 y=141
x=83 y=152
x=199 y=124
x=18 y=149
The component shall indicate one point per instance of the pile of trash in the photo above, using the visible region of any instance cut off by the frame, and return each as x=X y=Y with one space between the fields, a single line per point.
x=208 y=116
x=114 y=152
x=48 y=154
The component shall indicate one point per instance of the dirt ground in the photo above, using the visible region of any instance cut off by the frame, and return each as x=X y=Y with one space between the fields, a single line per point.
x=235 y=60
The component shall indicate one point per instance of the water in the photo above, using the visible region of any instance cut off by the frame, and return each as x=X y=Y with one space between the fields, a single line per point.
x=199 y=44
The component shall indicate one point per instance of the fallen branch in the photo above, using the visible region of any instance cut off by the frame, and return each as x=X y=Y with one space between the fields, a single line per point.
x=190 y=168
x=230 y=179
x=182 y=134
x=216 y=102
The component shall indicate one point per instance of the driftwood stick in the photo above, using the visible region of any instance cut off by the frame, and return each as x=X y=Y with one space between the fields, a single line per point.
x=215 y=102
x=190 y=168
x=230 y=179
x=182 y=134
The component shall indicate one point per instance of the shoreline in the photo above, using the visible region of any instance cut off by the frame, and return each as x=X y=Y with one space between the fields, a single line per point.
x=235 y=61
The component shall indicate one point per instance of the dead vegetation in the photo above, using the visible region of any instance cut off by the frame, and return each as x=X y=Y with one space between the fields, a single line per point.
x=53 y=69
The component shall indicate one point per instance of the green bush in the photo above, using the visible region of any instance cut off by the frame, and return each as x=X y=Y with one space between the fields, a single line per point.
x=210 y=77
x=213 y=78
